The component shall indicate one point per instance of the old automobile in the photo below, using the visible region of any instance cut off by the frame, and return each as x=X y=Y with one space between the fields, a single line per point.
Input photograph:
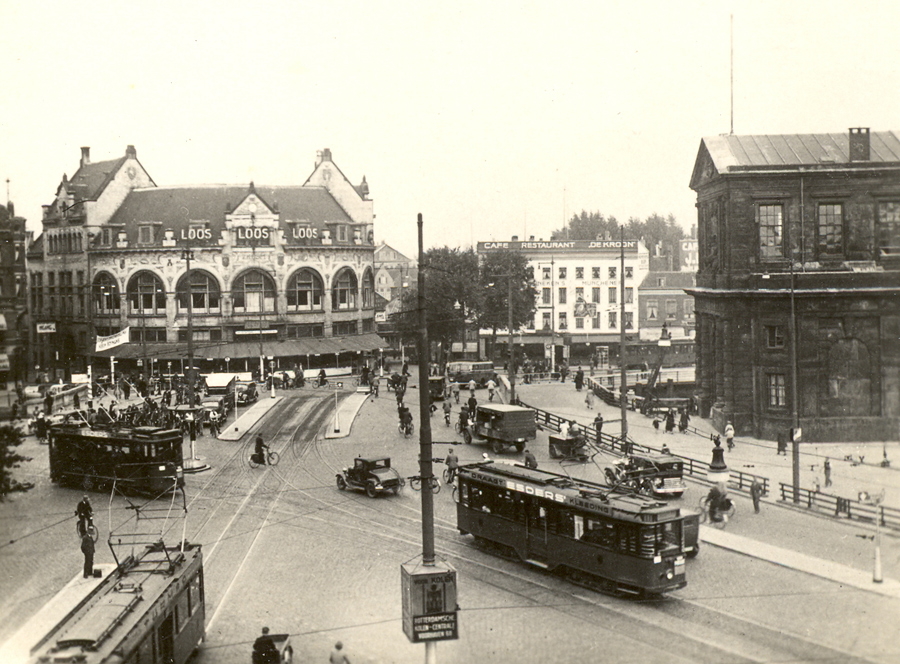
x=501 y=426
x=372 y=475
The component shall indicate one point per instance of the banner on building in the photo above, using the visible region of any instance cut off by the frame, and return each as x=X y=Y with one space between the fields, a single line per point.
x=45 y=328
x=113 y=340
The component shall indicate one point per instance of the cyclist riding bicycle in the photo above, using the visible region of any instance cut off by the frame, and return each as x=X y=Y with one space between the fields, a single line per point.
x=717 y=501
x=321 y=379
x=406 y=418
x=85 y=513
x=259 y=454
x=452 y=462
x=447 y=410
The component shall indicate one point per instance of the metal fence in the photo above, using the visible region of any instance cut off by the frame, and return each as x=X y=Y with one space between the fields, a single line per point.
x=842 y=508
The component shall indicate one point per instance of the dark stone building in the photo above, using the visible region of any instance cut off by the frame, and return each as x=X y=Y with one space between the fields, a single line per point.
x=13 y=301
x=808 y=224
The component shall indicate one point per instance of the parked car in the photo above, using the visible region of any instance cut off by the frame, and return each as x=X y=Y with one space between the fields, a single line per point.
x=373 y=476
x=213 y=404
x=246 y=392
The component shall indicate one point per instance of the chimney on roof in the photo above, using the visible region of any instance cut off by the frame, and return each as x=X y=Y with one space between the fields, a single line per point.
x=515 y=238
x=131 y=152
x=859 y=144
x=531 y=238
x=85 y=156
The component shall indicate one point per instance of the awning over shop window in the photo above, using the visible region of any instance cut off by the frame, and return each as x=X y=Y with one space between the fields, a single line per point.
x=362 y=343
x=4 y=362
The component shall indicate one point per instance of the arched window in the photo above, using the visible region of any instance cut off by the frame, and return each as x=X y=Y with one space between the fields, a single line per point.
x=253 y=292
x=205 y=294
x=368 y=290
x=343 y=295
x=304 y=291
x=105 y=294
x=146 y=294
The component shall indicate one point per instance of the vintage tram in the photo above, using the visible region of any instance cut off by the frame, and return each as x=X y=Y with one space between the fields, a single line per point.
x=606 y=540
x=148 y=609
x=138 y=459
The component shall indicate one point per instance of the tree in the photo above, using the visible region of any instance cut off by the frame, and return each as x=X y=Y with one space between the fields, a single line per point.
x=588 y=226
x=10 y=438
x=499 y=270
x=654 y=230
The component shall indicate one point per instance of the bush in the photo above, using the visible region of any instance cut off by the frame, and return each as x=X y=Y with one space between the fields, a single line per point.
x=10 y=438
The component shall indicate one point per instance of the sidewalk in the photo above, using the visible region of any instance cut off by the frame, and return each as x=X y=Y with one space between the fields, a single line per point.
x=749 y=455
x=251 y=416
x=340 y=425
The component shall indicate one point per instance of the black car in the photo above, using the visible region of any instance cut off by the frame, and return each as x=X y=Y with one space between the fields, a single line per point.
x=374 y=476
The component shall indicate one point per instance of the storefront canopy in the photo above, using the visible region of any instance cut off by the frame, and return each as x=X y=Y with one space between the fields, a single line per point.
x=362 y=343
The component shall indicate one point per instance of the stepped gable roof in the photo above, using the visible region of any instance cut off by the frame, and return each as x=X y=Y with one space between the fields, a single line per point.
x=675 y=280
x=728 y=151
x=176 y=208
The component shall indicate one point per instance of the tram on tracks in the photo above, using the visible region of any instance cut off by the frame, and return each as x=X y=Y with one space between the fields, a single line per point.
x=137 y=459
x=605 y=540
x=149 y=609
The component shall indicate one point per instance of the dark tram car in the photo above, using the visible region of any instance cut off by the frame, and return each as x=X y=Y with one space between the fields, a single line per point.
x=139 y=459
x=613 y=542
x=150 y=609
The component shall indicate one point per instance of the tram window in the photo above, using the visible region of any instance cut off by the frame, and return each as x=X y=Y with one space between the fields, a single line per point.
x=602 y=533
x=506 y=504
x=152 y=451
x=194 y=594
x=181 y=611
x=627 y=538
x=126 y=449
x=561 y=522
x=464 y=493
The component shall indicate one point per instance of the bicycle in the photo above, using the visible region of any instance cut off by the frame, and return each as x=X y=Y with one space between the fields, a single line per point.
x=726 y=514
x=415 y=483
x=447 y=418
x=272 y=459
x=91 y=529
x=406 y=429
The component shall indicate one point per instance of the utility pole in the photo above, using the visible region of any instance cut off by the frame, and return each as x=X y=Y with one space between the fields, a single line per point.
x=510 y=345
x=795 y=413
x=623 y=376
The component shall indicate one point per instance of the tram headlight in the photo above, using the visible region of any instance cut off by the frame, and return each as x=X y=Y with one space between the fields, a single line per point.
x=670 y=575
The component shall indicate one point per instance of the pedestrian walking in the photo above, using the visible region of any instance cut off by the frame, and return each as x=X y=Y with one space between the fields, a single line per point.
x=670 y=421
x=655 y=425
x=337 y=655
x=598 y=424
x=782 y=444
x=491 y=386
x=87 y=548
x=472 y=403
x=684 y=422
x=472 y=388
x=264 y=649
x=827 y=468
x=756 y=491
x=589 y=398
x=579 y=379
x=729 y=436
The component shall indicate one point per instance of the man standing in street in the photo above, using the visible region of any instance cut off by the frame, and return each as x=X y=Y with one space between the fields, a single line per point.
x=827 y=468
x=87 y=548
x=337 y=655
x=756 y=490
x=264 y=649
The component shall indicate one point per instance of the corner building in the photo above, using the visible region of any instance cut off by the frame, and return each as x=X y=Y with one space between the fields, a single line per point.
x=280 y=273
x=800 y=232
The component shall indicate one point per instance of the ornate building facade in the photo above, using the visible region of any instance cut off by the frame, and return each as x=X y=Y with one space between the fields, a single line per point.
x=798 y=288
x=13 y=300
x=278 y=275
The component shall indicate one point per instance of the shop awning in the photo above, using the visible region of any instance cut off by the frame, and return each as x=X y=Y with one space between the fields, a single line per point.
x=361 y=343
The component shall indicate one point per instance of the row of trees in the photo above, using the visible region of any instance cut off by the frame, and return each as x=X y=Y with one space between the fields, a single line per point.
x=653 y=230
x=462 y=292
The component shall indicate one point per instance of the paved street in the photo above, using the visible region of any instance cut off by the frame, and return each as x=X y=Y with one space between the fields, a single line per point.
x=284 y=548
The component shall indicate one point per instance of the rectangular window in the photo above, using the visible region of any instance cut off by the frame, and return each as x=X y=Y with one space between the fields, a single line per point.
x=671 y=309
x=562 y=273
x=770 y=220
x=612 y=295
x=344 y=328
x=774 y=336
x=613 y=319
x=545 y=320
x=628 y=320
x=629 y=272
x=830 y=230
x=106 y=237
x=595 y=273
x=562 y=295
x=612 y=273
x=776 y=390
x=579 y=323
x=145 y=234
x=629 y=295
x=595 y=322
x=652 y=309
x=579 y=294
x=342 y=233
x=888 y=229
x=546 y=273
x=545 y=296
x=595 y=295
x=579 y=273
x=563 y=321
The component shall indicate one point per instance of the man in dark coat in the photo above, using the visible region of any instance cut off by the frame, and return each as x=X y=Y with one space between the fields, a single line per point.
x=264 y=650
x=87 y=548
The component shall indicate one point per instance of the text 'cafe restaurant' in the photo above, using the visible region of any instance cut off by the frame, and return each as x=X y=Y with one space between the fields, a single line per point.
x=337 y=355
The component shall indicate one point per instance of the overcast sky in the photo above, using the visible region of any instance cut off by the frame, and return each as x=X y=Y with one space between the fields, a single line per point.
x=490 y=118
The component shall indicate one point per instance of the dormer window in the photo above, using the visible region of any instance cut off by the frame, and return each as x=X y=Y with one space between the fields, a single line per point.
x=145 y=234
x=106 y=237
x=342 y=233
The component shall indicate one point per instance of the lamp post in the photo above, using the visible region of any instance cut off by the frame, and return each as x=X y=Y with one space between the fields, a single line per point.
x=875 y=501
x=795 y=414
x=272 y=373
x=623 y=376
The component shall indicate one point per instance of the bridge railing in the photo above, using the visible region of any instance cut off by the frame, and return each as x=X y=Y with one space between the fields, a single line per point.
x=843 y=508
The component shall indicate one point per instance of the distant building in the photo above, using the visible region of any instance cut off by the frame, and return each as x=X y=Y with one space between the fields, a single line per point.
x=580 y=289
x=13 y=299
x=690 y=258
x=394 y=272
x=808 y=224
x=279 y=274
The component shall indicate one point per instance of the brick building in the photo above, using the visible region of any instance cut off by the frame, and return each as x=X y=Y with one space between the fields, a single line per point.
x=809 y=224
x=277 y=272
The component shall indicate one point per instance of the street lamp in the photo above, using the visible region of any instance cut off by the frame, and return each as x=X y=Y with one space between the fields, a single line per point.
x=875 y=501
